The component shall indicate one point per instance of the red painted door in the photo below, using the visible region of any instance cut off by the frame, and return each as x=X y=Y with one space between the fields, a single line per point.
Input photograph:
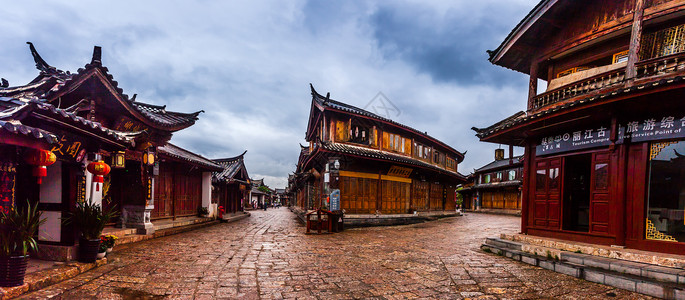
x=547 y=200
x=600 y=212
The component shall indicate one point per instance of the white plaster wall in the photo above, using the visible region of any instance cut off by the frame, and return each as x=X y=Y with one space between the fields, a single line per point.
x=95 y=196
x=51 y=230
x=51 y=192
x=206 y=189
x=51 y=188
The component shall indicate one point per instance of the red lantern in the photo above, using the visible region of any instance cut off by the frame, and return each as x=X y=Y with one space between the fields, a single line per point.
x=40 y=159
x=99 y=169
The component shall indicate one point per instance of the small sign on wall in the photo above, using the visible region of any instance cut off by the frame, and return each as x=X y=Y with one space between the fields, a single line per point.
x=335 y=200
x=81 y=190
x=8 y=173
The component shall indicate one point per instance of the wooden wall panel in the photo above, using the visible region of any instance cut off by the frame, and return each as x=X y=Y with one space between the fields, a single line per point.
x=358 y=195
x=420 y=195
x=436 y=197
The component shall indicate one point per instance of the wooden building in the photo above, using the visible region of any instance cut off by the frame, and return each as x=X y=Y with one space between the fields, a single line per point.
x=604 y=142
x=495 y=186
x=184 y=183
x=91 y=119
x=375 y=165
x=232 y=184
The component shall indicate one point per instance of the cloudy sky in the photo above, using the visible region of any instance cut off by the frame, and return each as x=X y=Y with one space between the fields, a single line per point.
x=248 y=64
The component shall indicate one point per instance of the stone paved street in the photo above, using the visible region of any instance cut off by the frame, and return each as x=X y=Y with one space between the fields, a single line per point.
x=268 y=256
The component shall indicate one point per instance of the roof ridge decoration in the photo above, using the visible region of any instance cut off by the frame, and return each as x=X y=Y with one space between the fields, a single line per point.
x=230 y=159
x=42 y=65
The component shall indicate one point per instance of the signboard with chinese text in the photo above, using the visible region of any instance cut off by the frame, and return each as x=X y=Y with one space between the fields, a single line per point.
x=574 y=140
x=399 y=171
x=81 y=189
x=335 y=200
x=8 y=172
x=69 y=147
x=649 y=129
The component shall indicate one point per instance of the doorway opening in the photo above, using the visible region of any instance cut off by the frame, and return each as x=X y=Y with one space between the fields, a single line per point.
x=576 y=201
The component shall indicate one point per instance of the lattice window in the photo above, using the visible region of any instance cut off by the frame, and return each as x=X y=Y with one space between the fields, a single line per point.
x=663 y=42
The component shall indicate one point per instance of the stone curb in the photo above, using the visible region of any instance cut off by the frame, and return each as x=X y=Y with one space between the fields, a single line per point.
x=642 y=279
x=42 y=279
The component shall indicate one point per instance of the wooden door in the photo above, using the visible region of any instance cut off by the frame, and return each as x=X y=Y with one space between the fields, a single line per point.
x=547 y=188
x=600 y=213
x=420 y=195
x=163 y=192
x=450 y=199
x=511 y=200
x=436 y=197
x=486 y=202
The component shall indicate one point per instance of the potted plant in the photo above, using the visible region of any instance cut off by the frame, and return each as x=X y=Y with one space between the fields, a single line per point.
x=18 y=228
x=109 y=240
x=202 y=212
x=102 y=249
x=90 y=220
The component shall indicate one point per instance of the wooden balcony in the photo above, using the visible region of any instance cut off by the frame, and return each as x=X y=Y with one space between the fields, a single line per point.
x=581 y=87
x=649 y=69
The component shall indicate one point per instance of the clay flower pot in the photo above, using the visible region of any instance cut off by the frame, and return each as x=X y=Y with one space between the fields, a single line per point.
x=13 y=270
x=109 y=250
x=101 y=255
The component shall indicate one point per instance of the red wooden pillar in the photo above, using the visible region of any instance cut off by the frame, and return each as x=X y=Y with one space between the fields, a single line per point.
x=532 y=83
x=635 y=39
x=526 y=185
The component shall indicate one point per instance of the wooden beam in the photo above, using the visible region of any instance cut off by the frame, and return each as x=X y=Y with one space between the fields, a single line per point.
x=532 y=83
x=635 y=37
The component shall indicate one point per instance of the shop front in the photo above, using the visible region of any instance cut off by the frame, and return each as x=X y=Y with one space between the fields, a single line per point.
x=612 y=181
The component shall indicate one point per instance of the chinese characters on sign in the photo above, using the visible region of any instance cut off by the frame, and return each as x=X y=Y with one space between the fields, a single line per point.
x=399 y=171
x=8 y=173
x=580 y=139
x=67 y=147
x=335 y=200
x=650 y=129
x=653 y=129
x=81 y=189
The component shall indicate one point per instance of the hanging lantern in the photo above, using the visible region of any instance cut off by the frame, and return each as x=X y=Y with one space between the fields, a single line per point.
x=40 y=159
x=148 y=158
x=119 y=159
x=99 y=169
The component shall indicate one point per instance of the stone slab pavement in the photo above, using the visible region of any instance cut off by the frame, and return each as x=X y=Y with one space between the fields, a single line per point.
x=268 y=256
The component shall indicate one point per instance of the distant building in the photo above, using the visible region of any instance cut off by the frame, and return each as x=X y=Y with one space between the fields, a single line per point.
x=495 y=186
x=378 y=166
x=232 y=184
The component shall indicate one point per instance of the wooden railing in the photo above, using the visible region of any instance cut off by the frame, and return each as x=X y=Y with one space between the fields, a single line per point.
x=660 y=66
x=599 y=81
x=654 y=67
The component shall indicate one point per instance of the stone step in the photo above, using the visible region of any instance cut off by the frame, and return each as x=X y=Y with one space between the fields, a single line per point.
x=660 y=273
x=504 y=243
x=616 y=277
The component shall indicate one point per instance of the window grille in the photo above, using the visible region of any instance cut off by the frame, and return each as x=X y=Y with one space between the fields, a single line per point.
x=663 y=42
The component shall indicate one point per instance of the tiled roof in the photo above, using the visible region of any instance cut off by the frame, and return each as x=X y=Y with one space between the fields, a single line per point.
x=383 y=155
x=327 y=102
x=179 y=153
x=16 y=108
x=522 y=117
x=231 y=166
x=17 y=128
x=52 y=80
x=497 y=184
x=498 y=164
x=83 y=123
